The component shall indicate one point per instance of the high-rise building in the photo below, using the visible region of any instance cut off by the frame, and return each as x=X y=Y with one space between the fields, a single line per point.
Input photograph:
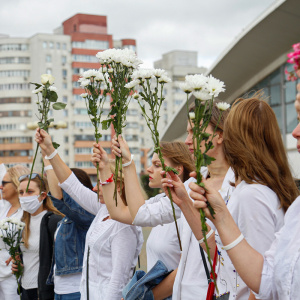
x=64 y=54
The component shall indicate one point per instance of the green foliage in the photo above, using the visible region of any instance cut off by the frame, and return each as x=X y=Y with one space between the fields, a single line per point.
x=59 y=105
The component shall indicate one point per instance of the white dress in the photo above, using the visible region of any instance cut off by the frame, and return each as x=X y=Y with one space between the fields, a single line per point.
x=113 y=247
x=191 y=281
x=281 y=271
x=255 y=209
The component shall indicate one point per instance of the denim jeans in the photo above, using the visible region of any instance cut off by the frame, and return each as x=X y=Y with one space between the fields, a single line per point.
x=30 y=294
x=73 y=296
x=141 y=284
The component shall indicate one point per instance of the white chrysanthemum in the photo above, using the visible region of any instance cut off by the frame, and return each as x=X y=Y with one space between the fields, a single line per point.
x=142 y=74
x=164 y=79
x=85 y=82
x=103 y=69
x=52 y=88
x=132 y=84
x=159 y=72
x=215 y=86
x=38 y=90
x=223 y=106
x=197 y=82
x=192 y=115
x=99 y=77
x=84 y=95
x=202 y=95
x=186 y=87
x=22 y=224
x=14 y=221
x=90 y=73
x=110 y=70
x=137 y=96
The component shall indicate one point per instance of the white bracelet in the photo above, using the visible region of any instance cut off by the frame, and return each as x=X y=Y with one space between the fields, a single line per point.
x=234 y=243
x=48 y=168
x=51 y=155
x=128 y=163
x=207 y=236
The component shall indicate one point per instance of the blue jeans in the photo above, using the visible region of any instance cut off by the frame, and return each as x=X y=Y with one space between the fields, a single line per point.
x=73 y=296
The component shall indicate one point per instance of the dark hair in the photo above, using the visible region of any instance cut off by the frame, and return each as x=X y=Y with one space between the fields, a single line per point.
x=83 y=177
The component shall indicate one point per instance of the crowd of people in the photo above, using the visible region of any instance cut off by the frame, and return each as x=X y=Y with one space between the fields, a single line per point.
x=78 y=244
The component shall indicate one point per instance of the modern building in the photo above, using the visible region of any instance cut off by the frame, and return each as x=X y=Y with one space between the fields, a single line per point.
x=256 y=60
x=64 y=54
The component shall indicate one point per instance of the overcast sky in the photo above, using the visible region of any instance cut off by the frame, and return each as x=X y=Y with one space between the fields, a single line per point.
x=159 y=26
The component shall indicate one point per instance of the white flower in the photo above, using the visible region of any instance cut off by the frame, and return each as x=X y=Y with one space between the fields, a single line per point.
x=85 y=82
x=142 y=74
x=186 y=87
x=223 y=106
x=38 y=90
x=197 y=82
x=132 y=84
x=164 y=79
x=14 y=221
x=47 y=78
x=136 y=96
x=215 y=86
x=90 y=73
x=103 y=69
x=22 y=224
x=192 y=115
x=202 y=95
x=84 y=95
x=110 y=70
x=99 y=77
x=52 y=88
x=159 y=72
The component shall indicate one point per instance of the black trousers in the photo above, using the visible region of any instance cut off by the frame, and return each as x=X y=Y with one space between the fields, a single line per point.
x=31 y=294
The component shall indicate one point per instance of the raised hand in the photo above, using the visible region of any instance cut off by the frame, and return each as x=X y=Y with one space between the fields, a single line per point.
x=44 y=140
x=99 y=156
x=120 y=147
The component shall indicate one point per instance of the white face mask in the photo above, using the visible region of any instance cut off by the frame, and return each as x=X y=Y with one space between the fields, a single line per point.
x=30 y=203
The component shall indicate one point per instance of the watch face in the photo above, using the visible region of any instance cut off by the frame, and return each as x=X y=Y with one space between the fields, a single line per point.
x=222 y=297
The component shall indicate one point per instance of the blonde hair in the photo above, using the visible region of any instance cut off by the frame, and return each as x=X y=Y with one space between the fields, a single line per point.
x=15 y=172
x=254 y=149
x=47 y=205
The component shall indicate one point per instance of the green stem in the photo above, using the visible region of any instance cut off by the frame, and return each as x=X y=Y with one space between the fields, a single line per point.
x=37 y=147
x=87 y=274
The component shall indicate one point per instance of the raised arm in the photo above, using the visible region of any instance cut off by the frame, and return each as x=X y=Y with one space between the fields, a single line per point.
x=120 y=212
x=246 y=260
x=134 y=195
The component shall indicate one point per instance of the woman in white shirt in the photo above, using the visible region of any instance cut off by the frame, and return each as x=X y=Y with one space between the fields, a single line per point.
x=264 y=187
x=276 y=275
x=10 y=208
x=112 y=248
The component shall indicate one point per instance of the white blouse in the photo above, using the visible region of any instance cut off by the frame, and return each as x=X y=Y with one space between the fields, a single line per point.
x=281 y=271
x=114 y=247
x=255 y=209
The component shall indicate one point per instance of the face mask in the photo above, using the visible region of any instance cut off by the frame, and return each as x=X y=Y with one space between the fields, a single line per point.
x=30 y=203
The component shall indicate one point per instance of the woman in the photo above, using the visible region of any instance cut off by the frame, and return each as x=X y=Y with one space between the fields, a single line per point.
x=264 y=186
x=112 y=248
x=69 y=237
x=40 y=218
x=276 y=274
x=191 y=278
x=10 y=208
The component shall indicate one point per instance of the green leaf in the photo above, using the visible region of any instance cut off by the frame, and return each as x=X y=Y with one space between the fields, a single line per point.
x=207 y=160
x=106 y=124
x=36 y=84
x=55 y=145
x=52 y=96
x=168 y=169
x=59 y=105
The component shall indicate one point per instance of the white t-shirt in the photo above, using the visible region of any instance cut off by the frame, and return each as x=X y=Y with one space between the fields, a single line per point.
x=281 y=271
x=5 y=271
x=114 y=246
x=31 y=255
x=255 y=209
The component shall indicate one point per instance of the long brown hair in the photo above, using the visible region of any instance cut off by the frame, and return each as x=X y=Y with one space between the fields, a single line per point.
x=178 y=153
x=47 y=205
x=254 y=149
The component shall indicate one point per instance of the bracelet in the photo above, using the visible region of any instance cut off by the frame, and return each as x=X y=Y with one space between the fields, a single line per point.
x=128 y=163
x=107 y=181
x=51 y=155
x=234 y=243
x=207 y=236
x=48 y=168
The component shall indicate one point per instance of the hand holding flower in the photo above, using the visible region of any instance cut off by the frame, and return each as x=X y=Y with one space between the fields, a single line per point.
x=99 y=157
x=44 y=140
x=120 y=148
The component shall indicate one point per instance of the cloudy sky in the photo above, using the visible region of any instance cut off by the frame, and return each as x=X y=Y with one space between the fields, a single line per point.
x=159 y=26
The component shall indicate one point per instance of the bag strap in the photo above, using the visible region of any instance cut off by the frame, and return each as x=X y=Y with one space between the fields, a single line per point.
x=205 y=264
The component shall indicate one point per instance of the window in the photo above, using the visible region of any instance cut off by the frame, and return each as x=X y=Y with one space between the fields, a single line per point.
x=14 y=60
x=15 y=73
x=49 y=71
x=64 y=46
x=51 y=45
x=91 y=44
x=48 y=58
x=15 y=100
x=57 y=45
x=63 y=59
x=64 y=74
x=132 y=112
x=45 y=45
x=85 y=58
x=65 y=85
x=66 y=139
x=65 y=99
x=131 y=137
x=14 y=47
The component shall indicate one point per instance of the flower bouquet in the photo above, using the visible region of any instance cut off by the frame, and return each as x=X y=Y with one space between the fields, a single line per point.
x=204 y=89
x=11 y=234
x=152 y=82
x=117 y=66
x=294 y=59
x=95 y=88
x=48 y=100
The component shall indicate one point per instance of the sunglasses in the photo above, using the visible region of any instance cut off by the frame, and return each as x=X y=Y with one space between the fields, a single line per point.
x=3 y=182
x=33 y=175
